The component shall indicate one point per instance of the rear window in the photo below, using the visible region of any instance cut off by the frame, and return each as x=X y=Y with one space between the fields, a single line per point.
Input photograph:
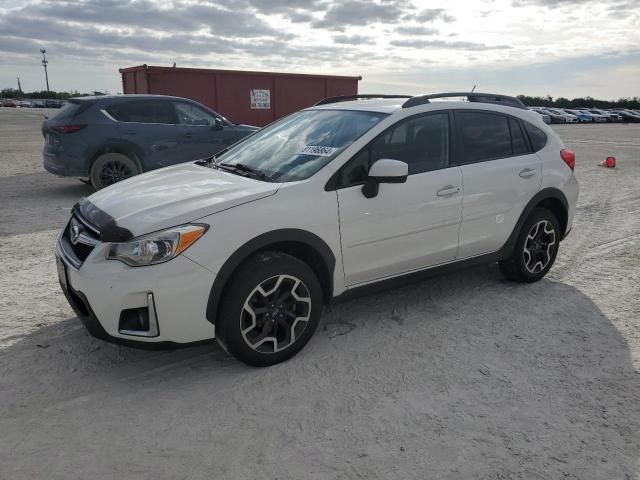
x=147 y=111
x=70 y=110
x=537 y=136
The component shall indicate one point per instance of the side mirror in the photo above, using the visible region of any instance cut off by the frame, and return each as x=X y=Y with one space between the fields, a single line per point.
x=384 y=171
x=218 y=125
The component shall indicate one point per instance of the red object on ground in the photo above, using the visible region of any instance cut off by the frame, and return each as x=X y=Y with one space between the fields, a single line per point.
x=254 y=98
x=609 y=162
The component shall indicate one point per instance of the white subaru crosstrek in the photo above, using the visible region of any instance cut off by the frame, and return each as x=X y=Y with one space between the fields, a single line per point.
x=249 y=246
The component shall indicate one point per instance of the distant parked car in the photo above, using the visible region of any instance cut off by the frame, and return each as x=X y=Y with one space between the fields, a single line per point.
x=52 y=103
x=10 y=103
x=555 y=117
x=545 y=118
x=597 y=117
x=569 y=118
x=609 y=116
x=627 y=115
x=38 y=104
x=109 y=138
x=583 y=117
x=25 y=104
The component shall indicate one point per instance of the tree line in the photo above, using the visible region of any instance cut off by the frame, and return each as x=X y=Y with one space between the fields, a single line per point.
x=562 y=102
x=42 y=94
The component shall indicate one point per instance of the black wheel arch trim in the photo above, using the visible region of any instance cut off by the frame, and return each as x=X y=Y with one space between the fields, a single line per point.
x=129 y=149
x=544 y=194
x=260 y=243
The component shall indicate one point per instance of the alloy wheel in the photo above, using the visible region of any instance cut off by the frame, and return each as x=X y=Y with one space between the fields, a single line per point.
x=275 y=314
x=539 y=246
x=113 y=172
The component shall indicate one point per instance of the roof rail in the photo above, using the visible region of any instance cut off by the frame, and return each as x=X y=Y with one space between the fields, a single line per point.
x=346 y=98
x=471 y=97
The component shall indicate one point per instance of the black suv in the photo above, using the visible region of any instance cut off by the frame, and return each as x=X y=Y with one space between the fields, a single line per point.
x=106 y=139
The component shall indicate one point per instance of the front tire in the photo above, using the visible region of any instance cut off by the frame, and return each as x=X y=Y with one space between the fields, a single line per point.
x=270 y=309
x=536 y=248
x=111 y=168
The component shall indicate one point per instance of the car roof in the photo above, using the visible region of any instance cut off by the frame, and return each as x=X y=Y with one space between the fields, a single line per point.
x=391 y=105
x=381 y=105
x=136 y=96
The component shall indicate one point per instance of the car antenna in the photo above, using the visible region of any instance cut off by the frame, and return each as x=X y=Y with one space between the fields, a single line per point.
x=474 y=87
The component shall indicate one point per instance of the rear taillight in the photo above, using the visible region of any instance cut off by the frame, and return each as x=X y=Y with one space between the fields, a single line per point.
x=68 y=128
x=569 y=158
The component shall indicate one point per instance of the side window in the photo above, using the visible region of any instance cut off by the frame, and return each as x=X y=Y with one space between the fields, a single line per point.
x=422 y=142
x=484 y=136
x=518 y=142
x=538 y=137
x=192 y=115
x=144 y=112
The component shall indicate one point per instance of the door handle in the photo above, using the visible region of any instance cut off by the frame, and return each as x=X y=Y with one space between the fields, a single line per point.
x=447 y=191
x=527 y=173
x=130 y=132
x=188 y=134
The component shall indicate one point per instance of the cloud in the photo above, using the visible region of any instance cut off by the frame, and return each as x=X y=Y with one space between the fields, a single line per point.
x=411 y=30
x=299 y=16
x=185 y=17
x=441 y=44
x=432 y=14
x=361 y=13
x=557 y=3
x=353 y=39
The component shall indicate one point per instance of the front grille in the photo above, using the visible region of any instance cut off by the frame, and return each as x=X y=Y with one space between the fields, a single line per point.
x=78 y=240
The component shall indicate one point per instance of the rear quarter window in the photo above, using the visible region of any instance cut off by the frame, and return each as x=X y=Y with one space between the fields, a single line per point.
x=537 y=136
x=518 y=142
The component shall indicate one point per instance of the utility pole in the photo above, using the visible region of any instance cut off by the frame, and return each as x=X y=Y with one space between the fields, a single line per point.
x=44 y=64
x=19 y=87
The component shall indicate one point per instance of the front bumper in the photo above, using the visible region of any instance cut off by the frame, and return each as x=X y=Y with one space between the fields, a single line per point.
x=99 y=290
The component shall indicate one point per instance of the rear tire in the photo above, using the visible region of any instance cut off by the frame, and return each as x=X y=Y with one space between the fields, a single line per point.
x=111 y=168
x=536 y=248
x=270 y=309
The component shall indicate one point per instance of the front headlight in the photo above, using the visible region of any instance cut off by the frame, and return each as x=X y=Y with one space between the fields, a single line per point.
x=156 y=247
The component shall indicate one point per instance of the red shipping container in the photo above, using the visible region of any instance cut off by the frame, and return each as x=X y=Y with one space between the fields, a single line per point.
x=254 y=98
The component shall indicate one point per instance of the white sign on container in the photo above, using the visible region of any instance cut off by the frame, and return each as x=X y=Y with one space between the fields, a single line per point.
x=260 y=99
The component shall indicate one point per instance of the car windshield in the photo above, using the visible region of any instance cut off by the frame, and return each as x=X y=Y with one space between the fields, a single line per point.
x=299 y=145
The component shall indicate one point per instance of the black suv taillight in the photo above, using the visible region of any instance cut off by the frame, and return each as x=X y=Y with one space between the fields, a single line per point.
x=68 y=128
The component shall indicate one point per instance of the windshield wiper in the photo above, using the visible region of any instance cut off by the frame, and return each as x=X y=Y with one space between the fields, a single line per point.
x=246 y=168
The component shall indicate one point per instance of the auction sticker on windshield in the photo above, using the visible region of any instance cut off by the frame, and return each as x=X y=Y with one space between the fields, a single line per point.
x=316 y=151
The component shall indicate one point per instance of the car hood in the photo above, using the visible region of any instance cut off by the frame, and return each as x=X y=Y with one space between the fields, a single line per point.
x=168 y=197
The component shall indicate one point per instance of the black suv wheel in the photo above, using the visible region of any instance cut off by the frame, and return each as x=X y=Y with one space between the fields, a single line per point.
x=111 y=168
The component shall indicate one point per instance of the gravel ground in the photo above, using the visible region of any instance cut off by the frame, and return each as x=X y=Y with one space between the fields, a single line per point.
x=459 y=376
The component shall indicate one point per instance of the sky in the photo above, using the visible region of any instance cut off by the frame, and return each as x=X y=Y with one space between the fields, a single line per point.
x=570 y=48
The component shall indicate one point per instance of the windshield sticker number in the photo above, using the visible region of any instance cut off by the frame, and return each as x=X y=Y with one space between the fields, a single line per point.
x=317 y=151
